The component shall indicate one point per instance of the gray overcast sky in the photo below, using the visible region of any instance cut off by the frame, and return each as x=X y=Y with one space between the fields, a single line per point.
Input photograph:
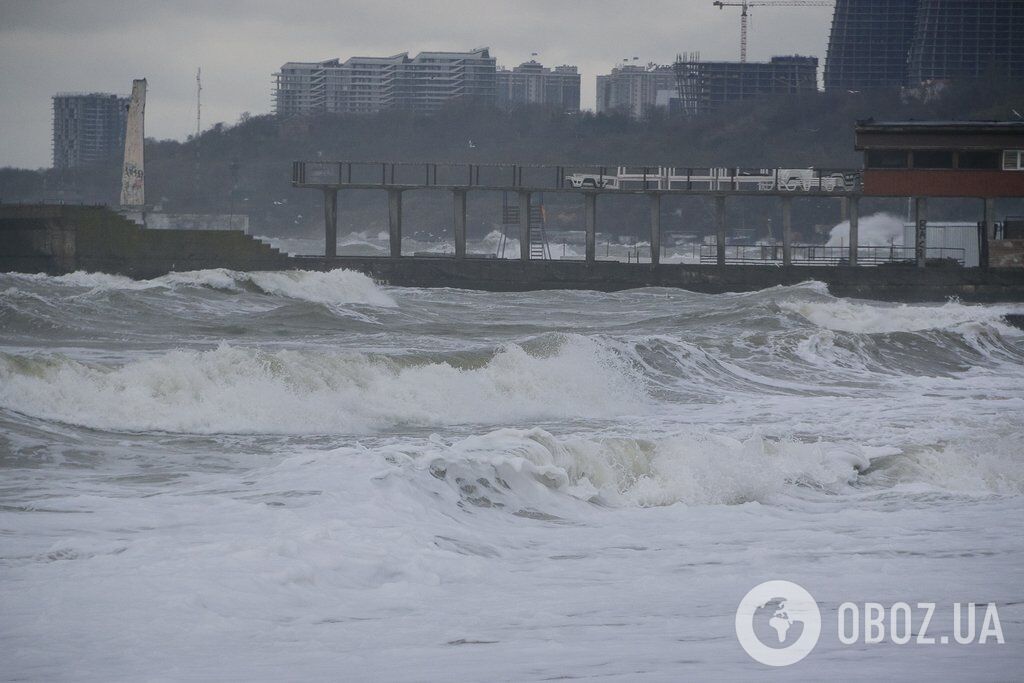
x=49 y=46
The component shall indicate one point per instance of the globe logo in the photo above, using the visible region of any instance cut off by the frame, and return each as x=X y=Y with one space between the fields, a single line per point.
x=778 y=623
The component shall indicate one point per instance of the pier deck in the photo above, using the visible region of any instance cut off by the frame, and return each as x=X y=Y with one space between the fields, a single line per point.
x=590 y=182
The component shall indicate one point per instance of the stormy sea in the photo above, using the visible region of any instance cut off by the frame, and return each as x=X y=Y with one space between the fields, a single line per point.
x=223 y=475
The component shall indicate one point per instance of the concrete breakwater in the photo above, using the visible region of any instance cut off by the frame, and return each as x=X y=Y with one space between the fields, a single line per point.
x=62 y=239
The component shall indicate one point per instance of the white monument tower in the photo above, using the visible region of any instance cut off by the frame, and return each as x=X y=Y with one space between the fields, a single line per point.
x=133 y=178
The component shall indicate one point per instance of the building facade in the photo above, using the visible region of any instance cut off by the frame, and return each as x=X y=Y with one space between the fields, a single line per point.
x=634 y=89
x=894 y=43
x=694 y=87
x=963 y=39
x=531 y=83
x=423 y=83
x=942 y=158
x=706 y=86
x=88 y=128
x=869 y=44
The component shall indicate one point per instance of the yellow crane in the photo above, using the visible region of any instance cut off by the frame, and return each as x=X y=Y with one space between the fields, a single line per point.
x=745 y=4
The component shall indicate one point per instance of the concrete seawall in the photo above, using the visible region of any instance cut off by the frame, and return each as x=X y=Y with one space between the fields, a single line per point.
x=60 y=239
x=892 y=283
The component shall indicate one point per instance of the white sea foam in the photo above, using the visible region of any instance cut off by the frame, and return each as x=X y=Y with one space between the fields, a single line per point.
x=335 y=287
x=843 y=315
x=694 y=467
x=212 y=278
x=566 y=505
x=234 y=389
x=81 y=279
x=492 y=243
x=875 y=230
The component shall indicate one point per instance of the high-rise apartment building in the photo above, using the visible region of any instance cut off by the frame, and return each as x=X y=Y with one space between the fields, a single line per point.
x=531 y=83
x=893 y=43
x=634 y=89
x=369 y=84
x=88 y=128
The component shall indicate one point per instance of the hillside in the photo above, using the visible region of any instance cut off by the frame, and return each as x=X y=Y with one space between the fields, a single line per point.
x=245 y=167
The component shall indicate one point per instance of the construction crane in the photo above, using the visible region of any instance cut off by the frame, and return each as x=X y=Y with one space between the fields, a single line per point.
x=745 y=4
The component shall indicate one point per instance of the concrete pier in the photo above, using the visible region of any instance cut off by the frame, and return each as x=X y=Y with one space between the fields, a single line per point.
x=529 y=182
x=720 y=229
x=395 y=221
x=787 y=231
x=524 y=226
x=459 y=213
x=988 y=232
x=854 y=216
x=920 y=231
x=655 y=229
x=590 y=220
x=330 y=222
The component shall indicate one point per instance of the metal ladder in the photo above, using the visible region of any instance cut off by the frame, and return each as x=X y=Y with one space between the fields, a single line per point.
x=539 y=247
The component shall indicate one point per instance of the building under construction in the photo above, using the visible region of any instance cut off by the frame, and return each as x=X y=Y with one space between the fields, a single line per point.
x=691 y=86
x=961 y=39
x=705 y=86
x=895 y=43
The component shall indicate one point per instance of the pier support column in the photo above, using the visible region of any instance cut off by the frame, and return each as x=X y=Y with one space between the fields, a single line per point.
x=590 y=227
x=459 y=211
x=655 y=229
x=920 y=231
x=988 y=231
x=330 y=223
x=854 y=208
x=720 y=229
x=787 y=231
x=524 y=226
x=395 y=221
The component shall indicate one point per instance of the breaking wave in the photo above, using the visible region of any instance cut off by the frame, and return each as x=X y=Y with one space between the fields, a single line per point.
x=242 y=390
x=532 y=472
x=842 y=315
x=334 y=287
x=514 y=466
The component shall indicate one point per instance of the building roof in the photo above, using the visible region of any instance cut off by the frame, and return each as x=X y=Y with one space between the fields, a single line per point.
x=935 y=135
x=940 y=126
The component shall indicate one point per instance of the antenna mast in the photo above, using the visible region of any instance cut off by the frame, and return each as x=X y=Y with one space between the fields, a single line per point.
x=199 y=90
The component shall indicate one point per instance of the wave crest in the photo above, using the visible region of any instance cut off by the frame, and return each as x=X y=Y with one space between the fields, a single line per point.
x=842 y=315
x=241 y=390
x=335 y=287
x=513 y=468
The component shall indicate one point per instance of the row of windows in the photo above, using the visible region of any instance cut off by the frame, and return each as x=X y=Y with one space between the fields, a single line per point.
x=1009 y=160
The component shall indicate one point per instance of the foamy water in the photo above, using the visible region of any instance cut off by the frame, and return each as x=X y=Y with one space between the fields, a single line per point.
x=224 y=475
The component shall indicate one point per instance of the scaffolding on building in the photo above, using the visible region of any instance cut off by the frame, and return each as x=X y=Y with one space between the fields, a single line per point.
x=688 y=82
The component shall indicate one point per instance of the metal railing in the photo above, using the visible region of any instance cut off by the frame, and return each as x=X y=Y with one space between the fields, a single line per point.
x=819 y=255
x=559 y=177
